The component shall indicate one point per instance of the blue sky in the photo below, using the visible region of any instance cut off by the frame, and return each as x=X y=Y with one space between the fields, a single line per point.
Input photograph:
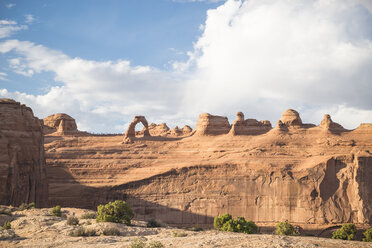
x=146 y=32
x=103 y=62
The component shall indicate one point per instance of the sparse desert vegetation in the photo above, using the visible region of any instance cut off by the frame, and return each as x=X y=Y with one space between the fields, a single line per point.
x=286 y=228
x=39 y=227
x=118 y=212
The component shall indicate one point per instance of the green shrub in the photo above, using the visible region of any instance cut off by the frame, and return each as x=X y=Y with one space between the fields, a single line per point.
x=286 y=228
x=111 y=231
x=138 y=243
x=221 y=220
x=72 y=221
x=89 y=215
x=7 y=225
x=228 y=224
x=83 y=232
x=346 y=232
x=56 y=211
x=25 y=206
x=155 y=244
x=368 y=235
x=154 y=223
x=118 y=211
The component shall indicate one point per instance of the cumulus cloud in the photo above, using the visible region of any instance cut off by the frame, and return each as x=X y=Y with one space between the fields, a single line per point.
x=7 y=28
x=259 y=57
x=262 y=57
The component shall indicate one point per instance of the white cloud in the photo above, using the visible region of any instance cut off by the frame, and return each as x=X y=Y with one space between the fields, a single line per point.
x=259 y=57
x=97 y=93
x=3 y=76
x=29 y=18
x=7 y=28
x=10 y=5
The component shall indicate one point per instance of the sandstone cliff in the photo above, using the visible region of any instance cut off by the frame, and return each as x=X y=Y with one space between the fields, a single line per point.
x=22 y=161
x=295 y=172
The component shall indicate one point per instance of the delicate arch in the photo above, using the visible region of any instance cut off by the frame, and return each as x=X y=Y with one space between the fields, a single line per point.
x=131 y=131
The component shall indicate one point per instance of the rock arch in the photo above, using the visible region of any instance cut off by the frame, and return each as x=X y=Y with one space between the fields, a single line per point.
x=130 y=134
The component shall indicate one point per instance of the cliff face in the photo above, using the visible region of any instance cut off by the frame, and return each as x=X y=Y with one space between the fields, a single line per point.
x=302 y=173
x=334 y=191
x=22 y=160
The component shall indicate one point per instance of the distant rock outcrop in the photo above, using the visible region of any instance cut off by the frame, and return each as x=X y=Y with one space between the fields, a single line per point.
x=328 y=124
x=249 y=126
x=186 y=130
x=130 y=134
x=61 y=123
x=22 y=161
x=212 y=125
x=157 y=129
x=291 y=118
x=176 y=131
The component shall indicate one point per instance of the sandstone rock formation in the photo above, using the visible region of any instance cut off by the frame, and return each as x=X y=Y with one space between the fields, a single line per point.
x=157 y=129
x=61 y=123
x=291 y=118
x=176 y=131
x=186 y=130
x=212 y=125
x=130 y=134
x=329 y=125
x=249 y=126
x=22 y=160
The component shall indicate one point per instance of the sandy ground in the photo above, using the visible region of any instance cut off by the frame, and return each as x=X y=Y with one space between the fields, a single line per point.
x=38 y=228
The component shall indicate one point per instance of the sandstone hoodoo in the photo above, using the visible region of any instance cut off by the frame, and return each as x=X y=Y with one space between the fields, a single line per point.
x=130 y=134
x=22 y=161
x=61 y=123
x=212 y=125
x=329 y=125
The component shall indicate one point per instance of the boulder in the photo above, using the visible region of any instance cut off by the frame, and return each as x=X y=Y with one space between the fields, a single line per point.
x=212 y=125
x=22 y=160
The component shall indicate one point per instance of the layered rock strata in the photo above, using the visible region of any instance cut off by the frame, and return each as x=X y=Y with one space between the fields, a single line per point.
x=22 y=161
x=294 y=172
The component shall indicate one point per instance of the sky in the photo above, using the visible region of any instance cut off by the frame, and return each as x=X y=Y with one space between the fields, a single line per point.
x=103 y=62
